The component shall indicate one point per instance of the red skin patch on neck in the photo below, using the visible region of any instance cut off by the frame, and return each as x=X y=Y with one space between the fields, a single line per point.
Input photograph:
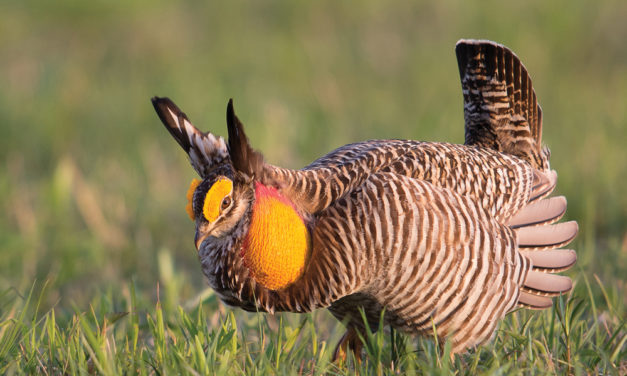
x=262 y=192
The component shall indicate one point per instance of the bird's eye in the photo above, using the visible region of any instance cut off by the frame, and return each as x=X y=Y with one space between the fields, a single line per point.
x=226 y=202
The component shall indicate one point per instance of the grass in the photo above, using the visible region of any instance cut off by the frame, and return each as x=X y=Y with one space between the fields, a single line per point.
x=117 y=334
x=98 y=273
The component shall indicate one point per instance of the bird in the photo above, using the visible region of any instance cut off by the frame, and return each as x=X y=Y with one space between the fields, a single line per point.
x=433 y=238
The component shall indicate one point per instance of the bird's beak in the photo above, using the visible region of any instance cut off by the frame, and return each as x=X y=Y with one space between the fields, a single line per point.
x=198 y=239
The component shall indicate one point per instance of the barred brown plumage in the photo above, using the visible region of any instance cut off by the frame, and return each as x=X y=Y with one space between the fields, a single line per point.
x=438 y=235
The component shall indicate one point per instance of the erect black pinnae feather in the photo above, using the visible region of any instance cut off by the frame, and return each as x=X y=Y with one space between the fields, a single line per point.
x=244 y=158
x=166 y=109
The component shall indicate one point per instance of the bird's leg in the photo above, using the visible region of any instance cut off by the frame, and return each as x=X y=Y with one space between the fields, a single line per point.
x=349 y=341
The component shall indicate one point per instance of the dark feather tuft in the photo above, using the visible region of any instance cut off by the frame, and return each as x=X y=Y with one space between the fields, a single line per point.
x=163 y=106
x=205 y=150
x=244 y=158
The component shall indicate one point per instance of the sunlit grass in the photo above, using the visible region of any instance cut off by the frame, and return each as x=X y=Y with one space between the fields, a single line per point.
x=116 y=335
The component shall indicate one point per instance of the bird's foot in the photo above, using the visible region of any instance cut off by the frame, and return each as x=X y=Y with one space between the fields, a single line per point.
x=349 y=341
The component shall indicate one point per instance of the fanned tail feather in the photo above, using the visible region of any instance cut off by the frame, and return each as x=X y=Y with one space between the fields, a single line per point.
x=501 y=110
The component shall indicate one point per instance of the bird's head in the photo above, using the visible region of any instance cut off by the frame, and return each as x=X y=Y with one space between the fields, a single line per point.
x=218 y=203
x=231 y=202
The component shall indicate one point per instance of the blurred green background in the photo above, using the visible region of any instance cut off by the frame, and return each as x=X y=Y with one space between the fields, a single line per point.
x=92 y=187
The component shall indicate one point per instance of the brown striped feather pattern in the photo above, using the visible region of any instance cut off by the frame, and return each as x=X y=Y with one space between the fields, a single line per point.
x=438 y=235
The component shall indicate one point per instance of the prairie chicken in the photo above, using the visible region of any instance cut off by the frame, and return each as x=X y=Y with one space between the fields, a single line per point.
x=435 y=234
